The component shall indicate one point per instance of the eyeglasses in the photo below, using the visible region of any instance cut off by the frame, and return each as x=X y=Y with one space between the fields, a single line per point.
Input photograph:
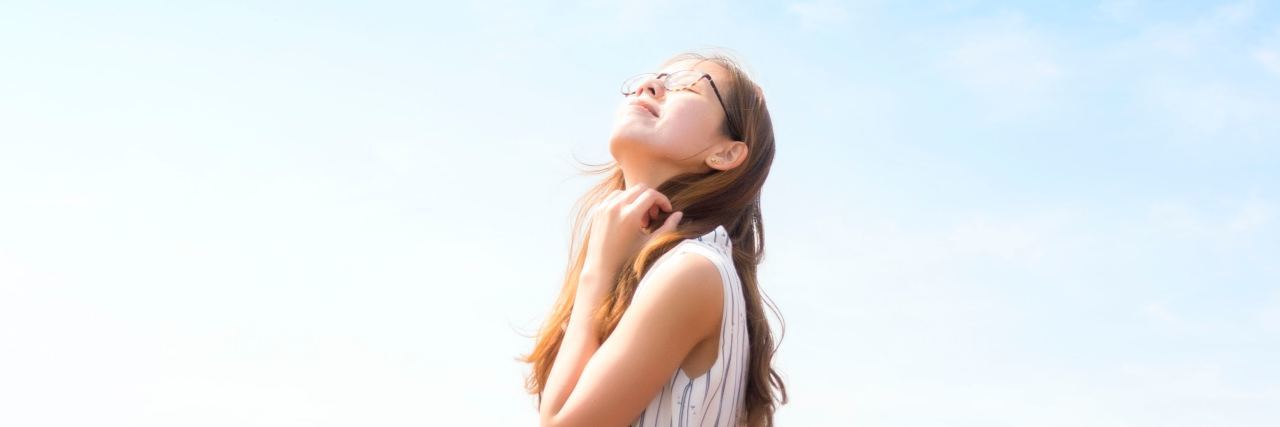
x=677 y=81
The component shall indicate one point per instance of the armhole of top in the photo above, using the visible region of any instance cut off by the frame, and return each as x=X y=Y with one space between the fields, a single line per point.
x=727 y=293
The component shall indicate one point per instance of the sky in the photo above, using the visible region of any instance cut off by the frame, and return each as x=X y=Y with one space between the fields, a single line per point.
x=332 y=214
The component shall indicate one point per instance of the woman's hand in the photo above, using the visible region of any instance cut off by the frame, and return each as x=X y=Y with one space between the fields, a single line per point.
x=618 y=229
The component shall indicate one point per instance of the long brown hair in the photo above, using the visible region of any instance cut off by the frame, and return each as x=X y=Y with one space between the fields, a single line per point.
x=730 y=198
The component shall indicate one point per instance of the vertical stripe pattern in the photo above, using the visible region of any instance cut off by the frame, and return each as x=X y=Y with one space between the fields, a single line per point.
x=714 y=398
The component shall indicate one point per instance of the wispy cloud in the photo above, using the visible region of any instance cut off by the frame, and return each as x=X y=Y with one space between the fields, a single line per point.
x=1158 y=311
x=1268 y=53
x=1174 y=90
x=1209 y=108
x=1186 y=38
x=1269 y=316
x=1119 y=10
x=1269 y=59
x=1242 y=219
x=1006 y=63
x=1011 y=239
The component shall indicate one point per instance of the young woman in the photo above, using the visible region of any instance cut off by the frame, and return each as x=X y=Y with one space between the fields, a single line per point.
x=660 y=321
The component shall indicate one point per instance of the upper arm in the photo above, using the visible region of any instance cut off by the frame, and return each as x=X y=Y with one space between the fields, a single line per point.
x=679 y=305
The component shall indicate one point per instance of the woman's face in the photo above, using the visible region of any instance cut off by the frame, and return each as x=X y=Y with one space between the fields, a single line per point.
x=671 y=131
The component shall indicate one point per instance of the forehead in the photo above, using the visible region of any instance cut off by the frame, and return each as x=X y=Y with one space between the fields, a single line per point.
x=717 y=72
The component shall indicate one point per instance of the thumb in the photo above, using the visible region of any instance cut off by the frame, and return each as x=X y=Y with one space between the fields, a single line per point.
x=670 y=223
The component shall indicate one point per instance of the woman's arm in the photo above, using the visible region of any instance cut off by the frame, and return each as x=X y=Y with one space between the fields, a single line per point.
x=610 y=383
x=577 y=347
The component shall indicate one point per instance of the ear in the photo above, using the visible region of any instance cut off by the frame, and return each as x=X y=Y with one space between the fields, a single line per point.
x=728 y=155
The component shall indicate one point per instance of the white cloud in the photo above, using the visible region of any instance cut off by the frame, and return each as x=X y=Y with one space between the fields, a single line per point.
x=1009 y=66
x=1132 y=393
x=1269 y=59
x=1210 y=110
x=1191 y=37
x=1158 y=312
x=1025 y=238
x=1244 y=218
x=1176 y=381
x=1119 y=10
x=1252 y=215
x=1269 y=316
x=1172 y=83
x=1234 y=13
x=1268 y=53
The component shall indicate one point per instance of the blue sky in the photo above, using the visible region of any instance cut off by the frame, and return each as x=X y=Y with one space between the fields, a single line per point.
x=308 y=213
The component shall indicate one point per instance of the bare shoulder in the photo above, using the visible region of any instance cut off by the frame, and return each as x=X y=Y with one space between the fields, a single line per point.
x=687 y=283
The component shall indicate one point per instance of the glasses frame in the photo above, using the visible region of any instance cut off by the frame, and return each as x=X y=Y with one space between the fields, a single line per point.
x=666 y=83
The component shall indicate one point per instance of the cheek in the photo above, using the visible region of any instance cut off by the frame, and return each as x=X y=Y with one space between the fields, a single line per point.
x=687 y=125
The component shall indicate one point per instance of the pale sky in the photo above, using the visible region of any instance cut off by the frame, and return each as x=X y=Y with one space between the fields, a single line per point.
x=324 y=214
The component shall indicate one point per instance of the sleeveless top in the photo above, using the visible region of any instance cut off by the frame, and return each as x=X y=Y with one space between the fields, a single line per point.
x=714 y=398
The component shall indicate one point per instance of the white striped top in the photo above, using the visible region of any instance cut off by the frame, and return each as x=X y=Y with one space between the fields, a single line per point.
x=716 y=397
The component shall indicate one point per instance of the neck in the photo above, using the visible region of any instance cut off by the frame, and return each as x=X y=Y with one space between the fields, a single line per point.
x=651 y=175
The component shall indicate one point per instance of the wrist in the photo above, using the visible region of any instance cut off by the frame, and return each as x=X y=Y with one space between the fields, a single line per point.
x=593 y=287
x=595 y=273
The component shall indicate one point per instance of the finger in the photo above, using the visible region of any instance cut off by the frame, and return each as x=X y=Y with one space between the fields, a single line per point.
x=632 y=193
x=670 y=225
x=651 y=198
x=640 y=207
x=609 y=201
x=612 y=195
x=604 y=201
x=645 y=219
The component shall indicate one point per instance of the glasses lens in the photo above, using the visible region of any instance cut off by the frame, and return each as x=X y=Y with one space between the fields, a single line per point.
x=682 y=79
x=630 y=85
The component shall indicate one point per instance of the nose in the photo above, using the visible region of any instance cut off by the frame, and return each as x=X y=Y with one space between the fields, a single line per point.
x=654 y=86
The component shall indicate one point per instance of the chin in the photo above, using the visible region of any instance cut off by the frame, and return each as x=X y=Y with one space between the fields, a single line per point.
x=626 y=138
x=619 y=145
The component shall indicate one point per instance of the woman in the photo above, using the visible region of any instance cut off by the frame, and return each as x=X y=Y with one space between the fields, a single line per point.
x=660 y=320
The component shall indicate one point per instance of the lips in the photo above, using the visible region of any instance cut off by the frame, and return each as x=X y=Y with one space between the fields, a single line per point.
x=647 y=107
